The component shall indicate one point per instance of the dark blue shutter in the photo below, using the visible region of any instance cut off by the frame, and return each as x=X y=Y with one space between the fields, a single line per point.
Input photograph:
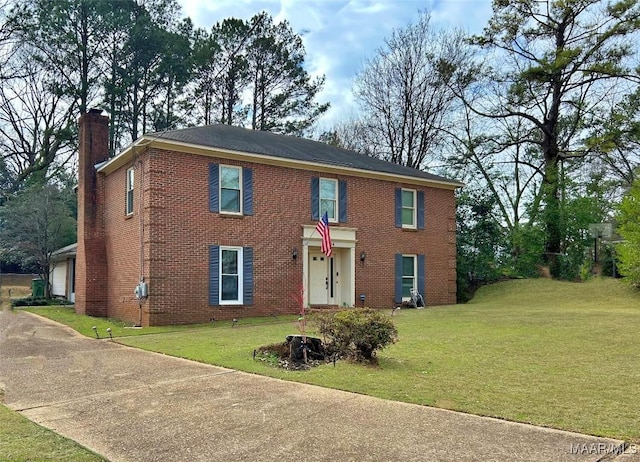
x=247 y=276
x=420 y=200
x=214 y=275
x=315 y=198
x=421 y=276
x=398 y=208
x=214 y=186
x=398 y=279
x=342 y=201
x=247 y=179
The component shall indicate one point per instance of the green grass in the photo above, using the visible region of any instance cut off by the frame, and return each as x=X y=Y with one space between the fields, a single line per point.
x=557 y=354
x=23 y=440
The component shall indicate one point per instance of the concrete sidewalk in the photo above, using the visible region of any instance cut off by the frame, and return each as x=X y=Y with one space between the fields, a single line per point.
x=131 y=405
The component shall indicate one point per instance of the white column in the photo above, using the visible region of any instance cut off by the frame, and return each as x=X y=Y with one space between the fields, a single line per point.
x=352 y=272
x=305 y=270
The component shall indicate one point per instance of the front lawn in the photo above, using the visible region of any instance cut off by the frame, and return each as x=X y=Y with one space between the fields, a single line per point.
x=23 y=440
x=558 y=354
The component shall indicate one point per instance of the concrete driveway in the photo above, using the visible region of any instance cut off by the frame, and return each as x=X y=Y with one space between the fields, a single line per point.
x=131 y=405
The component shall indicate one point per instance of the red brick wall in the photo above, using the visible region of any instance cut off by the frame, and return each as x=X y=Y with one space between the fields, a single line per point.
x=123 y=243
x=91 y=265
x=372 y=211
x=178 y=230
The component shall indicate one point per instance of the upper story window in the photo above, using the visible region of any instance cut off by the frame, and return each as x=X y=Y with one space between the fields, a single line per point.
x=230 y=189
x=130 y=185
x=329 y=198
x=328 y=195
x=408 y=208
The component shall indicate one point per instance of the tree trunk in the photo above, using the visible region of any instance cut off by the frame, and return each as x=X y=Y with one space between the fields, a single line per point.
x=551 y=216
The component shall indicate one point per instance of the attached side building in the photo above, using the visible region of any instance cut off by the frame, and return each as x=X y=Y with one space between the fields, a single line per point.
x=219 y=222
x=62 y=275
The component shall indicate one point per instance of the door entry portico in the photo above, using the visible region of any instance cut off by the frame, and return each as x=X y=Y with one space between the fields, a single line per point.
x=329 y=280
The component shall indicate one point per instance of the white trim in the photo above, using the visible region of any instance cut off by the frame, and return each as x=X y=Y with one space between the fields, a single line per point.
x=414 y=283
x=130 y=190
x=336 y=193
x=415 y=209
x=240 y=189
x=67 y=251
x=240 y=256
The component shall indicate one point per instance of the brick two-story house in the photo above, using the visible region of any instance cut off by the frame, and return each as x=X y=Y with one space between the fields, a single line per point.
x=219 y=222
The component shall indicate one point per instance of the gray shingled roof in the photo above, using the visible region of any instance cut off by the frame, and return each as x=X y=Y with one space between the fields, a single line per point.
x=288 y=147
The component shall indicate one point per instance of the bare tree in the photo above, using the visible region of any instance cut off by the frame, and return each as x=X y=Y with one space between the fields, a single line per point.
x=349 y=134
x=36 y=128
x=403 y=93
x=489 y=154
x=8 y=44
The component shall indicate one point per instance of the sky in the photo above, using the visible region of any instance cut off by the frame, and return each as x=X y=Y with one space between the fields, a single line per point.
x=340 y=35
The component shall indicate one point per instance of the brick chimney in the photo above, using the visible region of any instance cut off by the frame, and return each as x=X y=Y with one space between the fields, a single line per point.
x=91 y=259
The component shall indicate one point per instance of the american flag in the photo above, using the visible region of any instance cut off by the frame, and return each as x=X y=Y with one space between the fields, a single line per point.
x=323 y=230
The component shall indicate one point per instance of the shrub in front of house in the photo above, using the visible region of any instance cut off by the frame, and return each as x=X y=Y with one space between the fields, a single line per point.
x=356 y=334
x=30 y=301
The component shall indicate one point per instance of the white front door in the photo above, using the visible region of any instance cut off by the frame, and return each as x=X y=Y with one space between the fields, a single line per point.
x=318 y=279
x=323 y=279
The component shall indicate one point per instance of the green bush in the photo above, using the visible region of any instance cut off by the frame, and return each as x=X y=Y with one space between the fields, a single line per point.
x=30 y=301
x=629 y=228
x=356 y=333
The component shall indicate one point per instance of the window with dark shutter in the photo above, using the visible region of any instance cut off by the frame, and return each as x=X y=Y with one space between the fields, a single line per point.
x=408 y=208
x=330 y=196
x=409 y=274
x=329 y=199
x=230 y=189
x=230 y=275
